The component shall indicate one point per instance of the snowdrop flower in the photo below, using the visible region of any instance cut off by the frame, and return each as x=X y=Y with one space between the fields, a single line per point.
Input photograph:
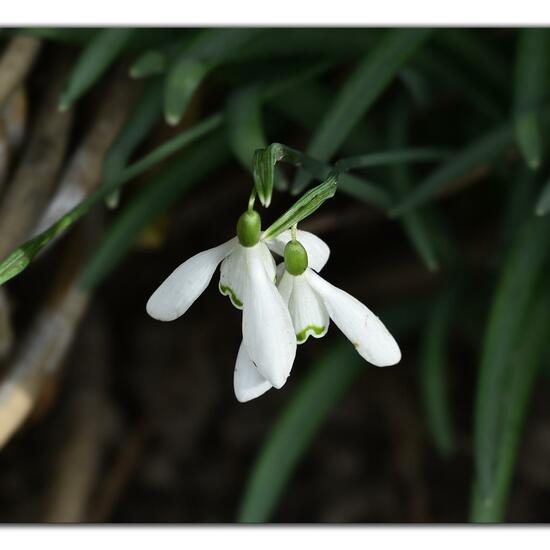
x=248 y=278
x=312 y=302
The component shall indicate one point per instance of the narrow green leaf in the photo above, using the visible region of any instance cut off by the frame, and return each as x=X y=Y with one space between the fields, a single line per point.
x=190 y=67
x=388 y=158
x=543 y=202
x=416 y=224
x=296 y=428
x=21 y=257
x=144 y=115
x=469 y=46
x=513 y=294
x=246 y=135
x=149 y=63
x=481 y=152
x=529 y=91
x=434 y=357
x=96 y=58
x=489 y=505
x=442 y=71
x=303 y=207
x=244 y=124
x=369 y=80
x=168 y=186
x=182 y=80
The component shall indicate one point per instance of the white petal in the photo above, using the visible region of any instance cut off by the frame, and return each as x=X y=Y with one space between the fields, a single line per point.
x=364 y=329
x=317 y=250
x=233 y=273
x=186 y=283
x=247 y=380
x=309 y=315
x=268 y=334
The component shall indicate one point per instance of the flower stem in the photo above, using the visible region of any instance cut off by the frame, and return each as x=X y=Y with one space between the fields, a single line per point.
x=252 y=199
x=293 y=230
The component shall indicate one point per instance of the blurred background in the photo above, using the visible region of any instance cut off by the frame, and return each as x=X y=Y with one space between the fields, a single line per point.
x=125 y=151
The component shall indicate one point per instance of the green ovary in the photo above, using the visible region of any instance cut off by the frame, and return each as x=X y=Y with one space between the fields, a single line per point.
x=303 y=334
x=227 y=291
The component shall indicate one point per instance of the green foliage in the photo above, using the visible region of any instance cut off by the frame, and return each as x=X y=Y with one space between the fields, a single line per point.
x=373 y=74
x=520 y=274
x=530 y=88
x=99 y=53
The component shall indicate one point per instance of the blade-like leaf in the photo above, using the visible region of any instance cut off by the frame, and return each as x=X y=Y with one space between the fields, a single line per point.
x=489 y=504
x=246 y=135
x=144 y=115
x=182 y=80
x=529 y=91
x=96 y=58
x=391 y=157
x=150 y=63
x=416 y=224
x=189 y=68
x=434 y=357
x=363 y=88
x=513 y=294
x=481 y=152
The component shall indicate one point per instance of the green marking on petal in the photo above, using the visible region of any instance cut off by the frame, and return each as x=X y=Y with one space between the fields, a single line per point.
x=310 y=329
x=228 y=291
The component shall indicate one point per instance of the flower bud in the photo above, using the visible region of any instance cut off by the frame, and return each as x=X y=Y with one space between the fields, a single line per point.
x=295 y=258
x=249 y=228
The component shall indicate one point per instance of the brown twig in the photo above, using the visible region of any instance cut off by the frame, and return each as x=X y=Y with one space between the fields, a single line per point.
x=43 y=349
x=14 y=116
x=83 y=172
x=36 y=174
x=16 y=62
x=77 y=467
x=116 y=479
x=6 y=332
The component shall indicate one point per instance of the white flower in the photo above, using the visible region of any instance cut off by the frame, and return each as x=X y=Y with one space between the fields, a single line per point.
x=312 y=302
x=248 y=278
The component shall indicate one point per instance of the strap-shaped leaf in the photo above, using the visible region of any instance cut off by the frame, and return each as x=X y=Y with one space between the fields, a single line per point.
x=481 y=152
x=521 y=272
x=144 y=115
x=434 y=358
x=98 y=55
x=530 y=90
x=489 y=502
x=149 y=63
x=368 y=81
x=191 y=66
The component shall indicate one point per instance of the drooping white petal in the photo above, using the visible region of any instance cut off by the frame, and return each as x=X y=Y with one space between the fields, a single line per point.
x=317 y=250
x=268 y=334
x=308 y=313
x=360 y=325
x=248 y=383
x=186 y=283
x=233 y=273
